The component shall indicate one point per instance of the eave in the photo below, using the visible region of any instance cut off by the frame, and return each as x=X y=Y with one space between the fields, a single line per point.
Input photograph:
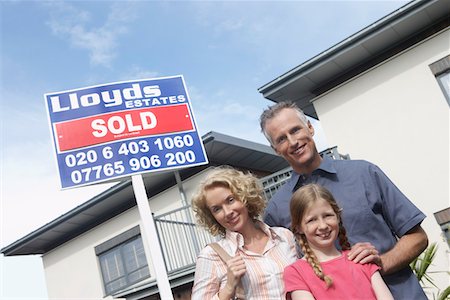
x=363 y=50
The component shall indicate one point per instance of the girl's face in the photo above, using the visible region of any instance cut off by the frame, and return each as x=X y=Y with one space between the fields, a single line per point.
x=320 y=224
x=228 y=211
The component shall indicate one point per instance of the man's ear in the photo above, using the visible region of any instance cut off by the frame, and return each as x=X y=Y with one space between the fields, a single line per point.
x=275 y=149
x=310 y=128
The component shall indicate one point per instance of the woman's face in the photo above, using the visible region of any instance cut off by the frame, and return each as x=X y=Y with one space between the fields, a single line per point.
x=228 y=211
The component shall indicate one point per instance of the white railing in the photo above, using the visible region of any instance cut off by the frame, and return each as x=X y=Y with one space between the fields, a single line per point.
x=180 y=238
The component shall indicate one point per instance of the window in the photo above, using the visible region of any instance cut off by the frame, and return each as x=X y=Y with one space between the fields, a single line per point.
x=441 y=70
x=444 y=83
x=122 y=261
x=443 y=219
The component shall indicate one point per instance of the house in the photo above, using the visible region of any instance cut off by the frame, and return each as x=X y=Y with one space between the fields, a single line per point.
x=95 y=251
x=383 y=94
x=381 y=89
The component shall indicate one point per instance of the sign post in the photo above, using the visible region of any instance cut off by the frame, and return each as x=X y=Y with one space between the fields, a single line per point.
x=104 y=132
x=149 y=230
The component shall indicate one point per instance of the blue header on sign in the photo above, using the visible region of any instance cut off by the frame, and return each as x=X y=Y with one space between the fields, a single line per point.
x=100 y=99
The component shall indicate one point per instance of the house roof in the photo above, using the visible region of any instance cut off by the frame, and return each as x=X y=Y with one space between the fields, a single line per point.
x=220 y=149
x=377 y=42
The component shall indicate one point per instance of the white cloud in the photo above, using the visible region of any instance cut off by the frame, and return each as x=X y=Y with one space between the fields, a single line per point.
x=136 y=72
x=77 y=26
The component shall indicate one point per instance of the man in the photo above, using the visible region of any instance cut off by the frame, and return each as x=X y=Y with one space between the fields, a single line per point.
x=374 y=209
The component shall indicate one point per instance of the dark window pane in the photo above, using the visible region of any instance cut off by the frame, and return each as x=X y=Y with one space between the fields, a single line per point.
x=444 y=83
x=112 y=265
x=124 y=265
x=138 y=275
x=115 y=285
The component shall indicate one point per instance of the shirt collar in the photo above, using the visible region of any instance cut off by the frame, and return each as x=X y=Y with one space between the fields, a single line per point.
x=326 y=166
x=237 y=240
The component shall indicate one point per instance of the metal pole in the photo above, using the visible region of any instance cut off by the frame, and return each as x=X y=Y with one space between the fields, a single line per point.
x=180 y=188
x=188 y=215
x=149 y=235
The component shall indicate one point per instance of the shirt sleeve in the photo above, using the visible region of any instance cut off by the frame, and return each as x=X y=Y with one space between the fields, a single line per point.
x=400 y=213
x=206 y=283
x=277 y=210
x=269 y=215
x=369 y=269
x=293 y=279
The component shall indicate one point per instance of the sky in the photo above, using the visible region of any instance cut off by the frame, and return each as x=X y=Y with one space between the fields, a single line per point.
x=225 y=50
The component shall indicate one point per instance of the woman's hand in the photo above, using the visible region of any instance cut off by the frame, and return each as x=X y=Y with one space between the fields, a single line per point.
x=235 y=270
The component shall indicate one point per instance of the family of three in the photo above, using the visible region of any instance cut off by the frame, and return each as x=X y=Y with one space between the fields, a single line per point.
x=337 y=229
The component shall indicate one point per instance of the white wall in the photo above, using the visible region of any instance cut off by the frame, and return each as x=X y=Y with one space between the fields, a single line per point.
x=396 y=116
x=72 y=270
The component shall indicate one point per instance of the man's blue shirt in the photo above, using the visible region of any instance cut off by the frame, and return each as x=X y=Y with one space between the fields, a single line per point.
x=374 y=210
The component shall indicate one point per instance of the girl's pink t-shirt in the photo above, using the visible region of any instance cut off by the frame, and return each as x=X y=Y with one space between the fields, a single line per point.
x=350 y=280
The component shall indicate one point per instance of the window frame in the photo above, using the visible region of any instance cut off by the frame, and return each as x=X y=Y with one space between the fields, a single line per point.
x=119 y=244
x=441 y=71
x=443 y=219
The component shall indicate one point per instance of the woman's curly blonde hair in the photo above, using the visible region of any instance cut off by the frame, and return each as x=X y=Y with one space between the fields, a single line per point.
x=245 y=187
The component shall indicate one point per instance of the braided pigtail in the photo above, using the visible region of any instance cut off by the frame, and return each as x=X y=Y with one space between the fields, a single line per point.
x=313 y=261
x=343 y=240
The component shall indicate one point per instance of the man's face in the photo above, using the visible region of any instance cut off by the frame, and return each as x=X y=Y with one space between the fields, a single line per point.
x=293 y=140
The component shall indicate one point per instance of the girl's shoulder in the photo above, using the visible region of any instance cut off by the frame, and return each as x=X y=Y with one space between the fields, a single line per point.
x=367 y=267
x=300 y=265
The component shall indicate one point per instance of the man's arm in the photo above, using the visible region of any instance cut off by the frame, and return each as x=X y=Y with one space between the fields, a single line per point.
x=407 y=248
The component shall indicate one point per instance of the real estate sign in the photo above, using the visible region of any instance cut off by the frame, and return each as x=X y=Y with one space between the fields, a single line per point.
x=120 y=129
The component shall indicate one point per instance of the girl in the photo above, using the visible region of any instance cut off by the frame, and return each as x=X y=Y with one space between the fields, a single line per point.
x=228 y=203
x=325 y=272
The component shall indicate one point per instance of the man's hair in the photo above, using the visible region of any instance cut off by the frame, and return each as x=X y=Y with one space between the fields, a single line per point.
x=245 y=187
x=273 y=110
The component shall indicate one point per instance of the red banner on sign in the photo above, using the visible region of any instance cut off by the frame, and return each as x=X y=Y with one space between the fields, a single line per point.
x=122 y=125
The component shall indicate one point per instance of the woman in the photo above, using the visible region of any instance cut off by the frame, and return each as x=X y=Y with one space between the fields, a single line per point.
x=228 y=203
